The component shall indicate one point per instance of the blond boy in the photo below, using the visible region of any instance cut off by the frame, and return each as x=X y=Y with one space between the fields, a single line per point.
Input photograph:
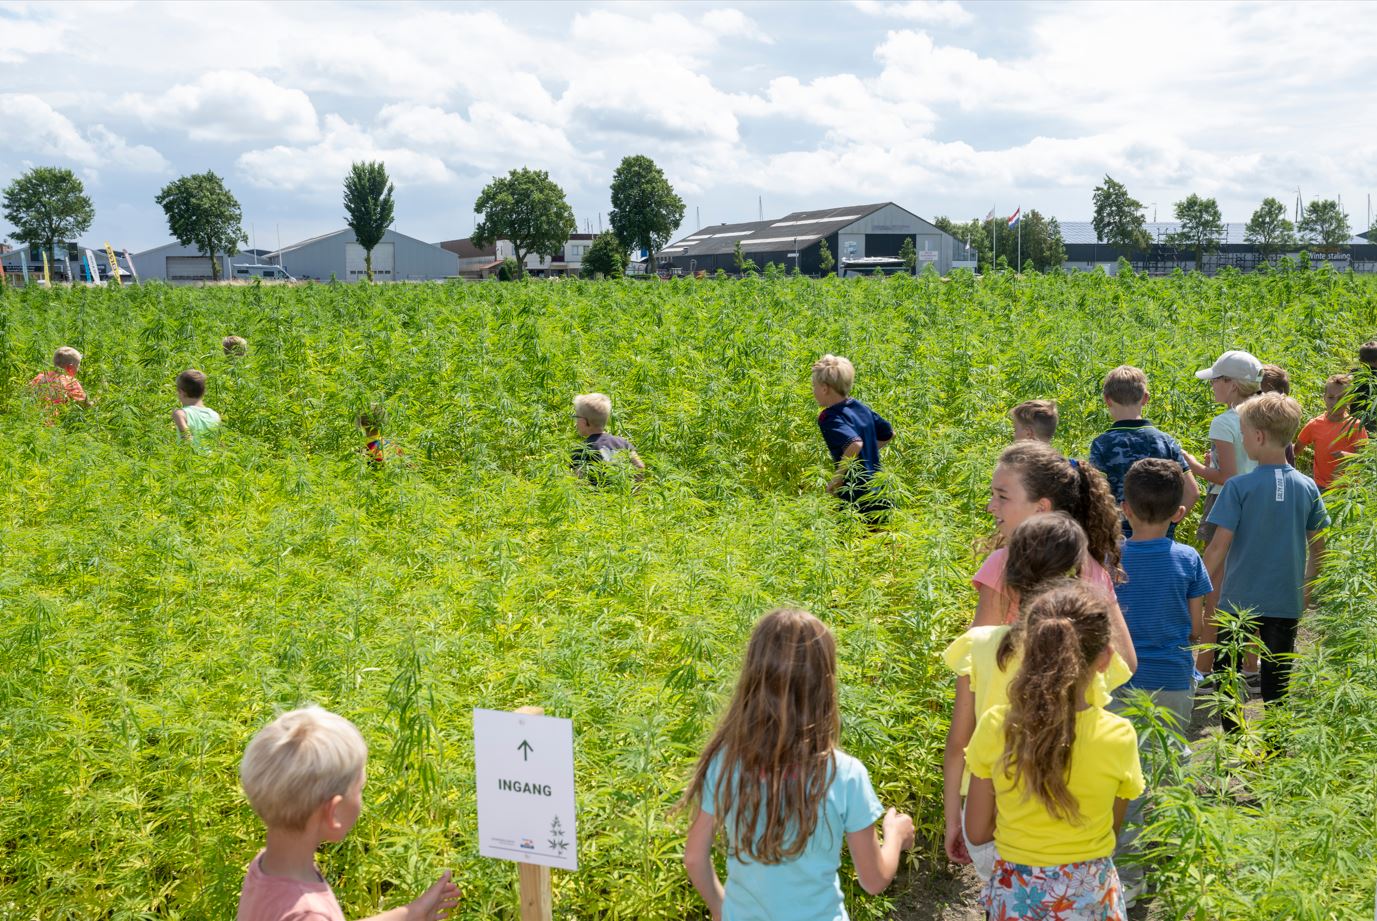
x=60 y=385
x=303 y=775
x=1267 y=544
x=592 y=412
x=1034 y=420
x=1334 y=436
x=235 y=346
x=854 y=434
x=1131 y=438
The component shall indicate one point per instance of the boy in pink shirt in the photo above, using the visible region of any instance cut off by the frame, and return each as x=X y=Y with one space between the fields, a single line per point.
x=303 y=775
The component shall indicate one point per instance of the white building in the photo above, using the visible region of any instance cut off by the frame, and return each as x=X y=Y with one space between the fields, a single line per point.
x=174 y=262
x=338 y=255
x=484 y=261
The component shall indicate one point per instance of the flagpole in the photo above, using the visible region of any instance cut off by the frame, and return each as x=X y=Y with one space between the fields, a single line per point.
x=994 y=238
x=1020 y=238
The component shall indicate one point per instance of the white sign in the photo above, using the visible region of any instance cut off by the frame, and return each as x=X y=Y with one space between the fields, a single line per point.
x=927 y=255
x=524 y=765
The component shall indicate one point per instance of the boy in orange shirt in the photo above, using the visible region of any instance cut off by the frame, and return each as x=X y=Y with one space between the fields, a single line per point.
x=1334 y=435
x=60 y=385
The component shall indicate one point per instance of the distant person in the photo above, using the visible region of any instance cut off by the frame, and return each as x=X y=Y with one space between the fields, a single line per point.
x=193 y=419
x=1163 y=600
x=303 y=775
x=1132 y=438
x=592 y=412
x=1334 y=436
x=1276 y=380
x=1044 y=551
x=1267 y=547
x=235 y=346
x=1034 y=420
x=378 y=449
x=854 y=434
x=1362 y=399
x=1052 y=773
x=59 y=385
x=774 y=786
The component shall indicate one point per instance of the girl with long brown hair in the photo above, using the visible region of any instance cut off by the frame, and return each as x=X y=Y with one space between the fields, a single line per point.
x=774 y=785
x=1052 y=773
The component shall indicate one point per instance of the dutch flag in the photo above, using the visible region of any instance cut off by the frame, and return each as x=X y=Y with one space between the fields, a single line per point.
x=1013 y=218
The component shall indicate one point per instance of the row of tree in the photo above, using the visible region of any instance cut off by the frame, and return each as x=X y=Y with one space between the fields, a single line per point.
x=1119 y=221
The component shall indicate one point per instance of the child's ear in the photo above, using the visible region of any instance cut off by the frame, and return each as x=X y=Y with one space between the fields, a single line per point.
x=1180 y=513
x=1147 y=397
x=329 y=808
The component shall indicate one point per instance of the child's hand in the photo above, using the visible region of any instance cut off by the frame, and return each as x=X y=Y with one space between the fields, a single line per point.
x=436 y=902
x=955 y=844
x=899 y=825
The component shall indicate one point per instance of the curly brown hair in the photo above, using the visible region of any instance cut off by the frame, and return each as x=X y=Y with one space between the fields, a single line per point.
x=1063 y=633
x=774 y=745
x=1079 y=490
x=1043 y=548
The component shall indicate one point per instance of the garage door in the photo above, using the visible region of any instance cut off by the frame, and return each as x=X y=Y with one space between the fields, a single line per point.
x=188 y=267
x=382 y=261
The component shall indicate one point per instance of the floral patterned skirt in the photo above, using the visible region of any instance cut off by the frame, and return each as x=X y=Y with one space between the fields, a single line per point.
x=1086 y=891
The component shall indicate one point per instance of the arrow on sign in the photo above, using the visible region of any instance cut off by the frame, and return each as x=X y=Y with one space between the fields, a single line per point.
x=525 y=749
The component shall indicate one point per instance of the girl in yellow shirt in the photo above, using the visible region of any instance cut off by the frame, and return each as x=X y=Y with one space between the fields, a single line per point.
x=1052 y=774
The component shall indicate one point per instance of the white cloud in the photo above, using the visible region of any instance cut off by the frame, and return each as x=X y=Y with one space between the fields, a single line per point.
x=927 y=12
x=488 y=140
x=35 y=129
x=229 y=106
x=319 y=169
x=731 y=23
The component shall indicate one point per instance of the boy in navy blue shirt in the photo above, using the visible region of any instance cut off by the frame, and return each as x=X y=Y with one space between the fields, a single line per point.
x=1132 y=438
x=1268 y=542
x=854 y=434
x=1163 y=600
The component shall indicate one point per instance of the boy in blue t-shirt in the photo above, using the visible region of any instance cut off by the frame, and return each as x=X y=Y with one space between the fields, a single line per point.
x=1132 y=438
x=854 y=433
x=1268 y=542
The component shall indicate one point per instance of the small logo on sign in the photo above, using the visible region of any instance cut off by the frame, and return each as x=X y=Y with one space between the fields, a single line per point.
x=527 y=844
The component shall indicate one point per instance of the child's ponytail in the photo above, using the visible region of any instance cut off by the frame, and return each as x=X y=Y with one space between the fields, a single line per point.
x=1065 y=630
x=1099 y=515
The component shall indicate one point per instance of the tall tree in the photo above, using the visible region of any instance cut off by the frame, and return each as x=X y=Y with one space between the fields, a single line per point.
x=1119 y=220
x=1324 y=224
x=527 y=209
x=47 y=205
x=368 y=202
x=1268 y=229
x=826 y=261
x=1201 y=225
x=606 y=256
x=908 y=254
x=202 y=212
x=645 y=209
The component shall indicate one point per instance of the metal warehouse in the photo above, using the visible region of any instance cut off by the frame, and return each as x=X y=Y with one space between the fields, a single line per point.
x=861 y=232
x=175 y=262
x=1086 y=252
x=338 y=255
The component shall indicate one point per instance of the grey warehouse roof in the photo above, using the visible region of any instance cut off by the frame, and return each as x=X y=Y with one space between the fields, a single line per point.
x=801 y=227
x=1083 y=232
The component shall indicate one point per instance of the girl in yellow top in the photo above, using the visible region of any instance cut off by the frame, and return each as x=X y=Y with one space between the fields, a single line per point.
x=1052 y=774
x=1044 y=550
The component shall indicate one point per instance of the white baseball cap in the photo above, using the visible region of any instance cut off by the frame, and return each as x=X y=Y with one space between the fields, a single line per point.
x=1236 y=365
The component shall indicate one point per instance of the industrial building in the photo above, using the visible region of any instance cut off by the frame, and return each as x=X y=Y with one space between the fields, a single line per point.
x=1085 y=252
x=174 y=262
x=338 y=255
x=68 y=262
x=859 y=237
x=483 y=261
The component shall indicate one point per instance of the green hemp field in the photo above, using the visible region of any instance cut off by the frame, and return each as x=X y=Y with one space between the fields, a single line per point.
x=159 y=604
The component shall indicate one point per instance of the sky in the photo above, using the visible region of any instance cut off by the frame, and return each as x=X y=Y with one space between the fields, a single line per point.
x=942 y=106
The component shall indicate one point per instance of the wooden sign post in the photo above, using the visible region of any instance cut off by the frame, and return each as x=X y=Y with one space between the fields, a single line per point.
x=533 y=882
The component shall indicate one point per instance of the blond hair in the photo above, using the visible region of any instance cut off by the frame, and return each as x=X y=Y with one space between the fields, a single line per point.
x=1125 y=385
x=1039 y=415
x=1339 y=380
x=1275 y=415
x=594 y=408
x=235 y=346
x=299 y=761
x=66 y=357
x=1245 y=389
x=835 y=372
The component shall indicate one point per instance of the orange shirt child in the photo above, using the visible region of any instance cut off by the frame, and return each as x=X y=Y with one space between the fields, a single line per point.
x=1333 y=436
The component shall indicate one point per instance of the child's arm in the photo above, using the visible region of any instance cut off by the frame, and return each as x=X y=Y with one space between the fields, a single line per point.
x=877 y=863
x=852 y=451
x=698 y=863
x=980 y=810
x=636 y=461
x=1215 y=555
x=1197 y=609
x=1191 y=494
x=1120 y=638
x=991 y=608
x=179 y=420
x=1224 y=455
x=436 y=902
x=1120 y=810
x=1315 y=540
x=954 y=766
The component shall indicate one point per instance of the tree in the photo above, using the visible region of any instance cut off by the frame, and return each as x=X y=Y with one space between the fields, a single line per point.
x=645 y=209
x=1324 y=224
x=1269 y=230
x=1201 y=225
x=1119 y=218
x=368 y=202
x=908 y=254
x=743 y=265
x=48 y=205
x=606 y=256
x=202 y=212
x=825 y=261
x=527 y=209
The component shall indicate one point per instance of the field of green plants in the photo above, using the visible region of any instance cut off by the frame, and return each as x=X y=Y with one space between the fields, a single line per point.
x=157 y=605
